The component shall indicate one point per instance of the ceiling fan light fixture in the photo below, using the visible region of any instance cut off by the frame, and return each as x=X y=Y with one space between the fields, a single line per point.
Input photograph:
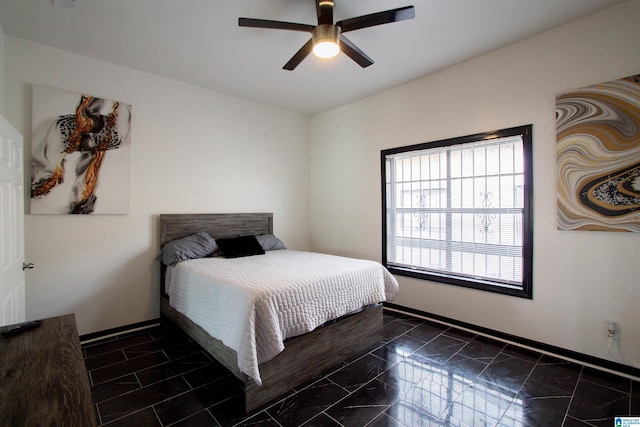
x=326 y=41
x=326 y=38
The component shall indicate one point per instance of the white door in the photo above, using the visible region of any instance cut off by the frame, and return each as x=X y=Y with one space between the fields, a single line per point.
x=12 y=305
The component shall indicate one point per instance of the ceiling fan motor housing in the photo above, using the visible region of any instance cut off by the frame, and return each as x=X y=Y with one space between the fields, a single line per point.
x=326 y=36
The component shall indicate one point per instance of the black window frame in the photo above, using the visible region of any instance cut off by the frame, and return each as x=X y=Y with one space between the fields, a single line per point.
x=526 y=288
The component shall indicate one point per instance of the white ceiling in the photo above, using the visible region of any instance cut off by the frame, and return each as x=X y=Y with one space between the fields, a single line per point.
x=199 y=41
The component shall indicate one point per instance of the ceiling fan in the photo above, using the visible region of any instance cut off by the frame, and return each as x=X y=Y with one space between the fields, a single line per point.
x=327 y=38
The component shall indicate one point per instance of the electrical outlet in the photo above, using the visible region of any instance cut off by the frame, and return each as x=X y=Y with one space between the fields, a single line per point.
x=612 y=329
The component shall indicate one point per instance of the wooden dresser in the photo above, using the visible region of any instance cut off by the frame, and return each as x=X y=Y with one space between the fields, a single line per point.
x=43 y=380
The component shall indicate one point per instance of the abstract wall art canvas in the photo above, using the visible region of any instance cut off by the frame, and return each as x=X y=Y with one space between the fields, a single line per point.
x=80 y=155
x=598 y=157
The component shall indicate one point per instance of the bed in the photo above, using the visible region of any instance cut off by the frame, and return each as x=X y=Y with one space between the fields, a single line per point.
x=300 y=354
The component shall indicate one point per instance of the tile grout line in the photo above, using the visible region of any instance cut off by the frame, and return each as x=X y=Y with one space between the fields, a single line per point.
x=522 y=386
x=548 y=353
x=156 y=414
x=573 y=394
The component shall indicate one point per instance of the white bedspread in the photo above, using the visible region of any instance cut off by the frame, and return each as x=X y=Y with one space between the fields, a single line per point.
x=252 y=304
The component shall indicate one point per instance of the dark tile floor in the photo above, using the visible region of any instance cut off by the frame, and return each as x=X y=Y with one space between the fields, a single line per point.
x=421 y=374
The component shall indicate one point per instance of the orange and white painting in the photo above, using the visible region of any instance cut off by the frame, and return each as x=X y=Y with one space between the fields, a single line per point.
x=80 y=154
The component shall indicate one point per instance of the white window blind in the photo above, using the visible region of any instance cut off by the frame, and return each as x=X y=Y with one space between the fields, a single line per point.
x=458 y=210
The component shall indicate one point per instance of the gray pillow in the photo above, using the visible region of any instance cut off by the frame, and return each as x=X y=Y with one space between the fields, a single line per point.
x=269 y=242
x=197 y=245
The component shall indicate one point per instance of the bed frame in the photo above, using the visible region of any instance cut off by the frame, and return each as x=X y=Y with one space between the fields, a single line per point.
x=304 y=357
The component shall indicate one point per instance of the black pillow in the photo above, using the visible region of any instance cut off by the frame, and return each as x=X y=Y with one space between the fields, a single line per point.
x=240 y=246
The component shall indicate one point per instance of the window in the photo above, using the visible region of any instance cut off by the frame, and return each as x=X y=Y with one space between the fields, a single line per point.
x=459 y=211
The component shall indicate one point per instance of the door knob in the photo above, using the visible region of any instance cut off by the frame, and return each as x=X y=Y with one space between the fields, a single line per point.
x=27 y=266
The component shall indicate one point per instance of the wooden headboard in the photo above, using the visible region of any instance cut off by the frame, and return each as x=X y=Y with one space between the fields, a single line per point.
x=219 y=226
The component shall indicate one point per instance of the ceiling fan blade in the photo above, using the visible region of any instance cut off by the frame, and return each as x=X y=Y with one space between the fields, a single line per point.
x=324 y=9
x=299 y=56
x=378 y=18
x=277 y=25
x=353 y=52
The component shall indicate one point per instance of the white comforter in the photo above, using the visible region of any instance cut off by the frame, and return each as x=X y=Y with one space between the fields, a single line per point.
x=253 y=303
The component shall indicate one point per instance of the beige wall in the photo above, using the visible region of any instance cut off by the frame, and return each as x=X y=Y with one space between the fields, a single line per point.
x=581 y=279
x=192 y=150
x=1 y=71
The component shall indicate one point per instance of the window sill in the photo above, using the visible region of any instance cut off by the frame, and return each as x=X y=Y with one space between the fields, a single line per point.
x=504 y=289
